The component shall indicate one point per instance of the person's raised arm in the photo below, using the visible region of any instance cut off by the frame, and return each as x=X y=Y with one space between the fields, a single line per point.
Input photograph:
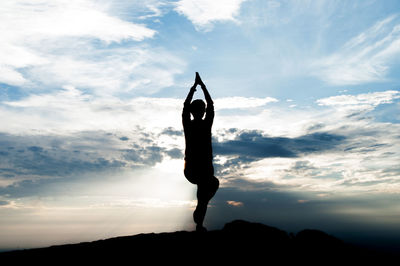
x=203 y=87
x=186 y=104
x=210 y=104
x=189 y=97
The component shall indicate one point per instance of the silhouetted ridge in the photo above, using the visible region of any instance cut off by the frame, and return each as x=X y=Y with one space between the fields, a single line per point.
x=240 y=227
x=238 y=242
x=317 y=238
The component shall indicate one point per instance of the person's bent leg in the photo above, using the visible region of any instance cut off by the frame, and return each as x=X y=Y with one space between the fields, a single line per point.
x=213 y=186
x=190 y=174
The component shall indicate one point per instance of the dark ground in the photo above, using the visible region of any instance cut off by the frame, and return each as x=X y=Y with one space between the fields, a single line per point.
x=239 y=242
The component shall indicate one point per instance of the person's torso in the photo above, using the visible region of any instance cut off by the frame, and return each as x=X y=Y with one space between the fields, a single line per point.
x=198 y=141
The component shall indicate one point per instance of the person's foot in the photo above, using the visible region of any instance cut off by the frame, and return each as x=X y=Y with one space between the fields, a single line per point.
x=200 y=229
x=196 y=216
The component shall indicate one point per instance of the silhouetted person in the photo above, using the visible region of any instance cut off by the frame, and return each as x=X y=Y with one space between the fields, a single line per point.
x=199 y=168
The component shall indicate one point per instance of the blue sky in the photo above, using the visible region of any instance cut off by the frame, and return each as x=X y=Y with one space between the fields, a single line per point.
x=305 y=135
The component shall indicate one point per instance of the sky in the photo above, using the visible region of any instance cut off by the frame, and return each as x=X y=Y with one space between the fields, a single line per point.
x=306 y=132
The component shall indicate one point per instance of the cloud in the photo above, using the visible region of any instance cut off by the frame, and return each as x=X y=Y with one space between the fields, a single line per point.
x=50 y=44
x=357 y=106
x=172 y=132
x=254 y=156
x=111 y=71
x=70 y=109
x=82 y=18
x=302 y=167
x=242 y=102
x=30 y=158
x=253 y=144
x=372 y=99
x=302 y=201
x=203 y=13
x=175 y=153
x=365 y=57
x=340 y=146
x=234 y=203
x=11 y=76
x=366 y=160
x=235 y=157
x=148 y=155
x=327 y=148
x=139 y=10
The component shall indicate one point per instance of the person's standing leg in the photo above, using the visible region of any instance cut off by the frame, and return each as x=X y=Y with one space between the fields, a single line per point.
x=201 y=208
x=205 y=191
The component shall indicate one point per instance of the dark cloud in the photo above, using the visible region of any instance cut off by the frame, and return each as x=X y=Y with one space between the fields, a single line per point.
x=365 y=147
x=255 y=145
x=170 y=131
x=249 y=146
x=56 y=163
x=390 y=171
x=357 y=182
x=55 y=156
x=252 y=144
x=35 y=149
x=175 y=153
x=301 y=167
x=37 y=161
x=148 y=155
x=317 y=126
x=44 y=157
x=305 y=168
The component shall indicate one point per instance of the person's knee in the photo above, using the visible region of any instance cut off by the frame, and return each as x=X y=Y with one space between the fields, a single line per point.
x=215 y=182
x=190 y=176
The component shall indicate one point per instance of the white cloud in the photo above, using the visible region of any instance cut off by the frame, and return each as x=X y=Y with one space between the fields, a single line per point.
x=364 y=58
x=118 y=70
x=203 y=13
x=47 y=44
x=10 y=76
x=357 y=106
x=72 y=110
x=44 y=19
x=369 y=99
x=234 y=203
x=242 y=102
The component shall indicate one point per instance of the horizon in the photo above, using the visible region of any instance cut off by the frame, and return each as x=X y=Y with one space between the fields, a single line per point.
x=306 y=129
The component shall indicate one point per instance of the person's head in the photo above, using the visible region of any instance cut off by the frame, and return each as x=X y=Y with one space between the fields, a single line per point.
x=197 y=109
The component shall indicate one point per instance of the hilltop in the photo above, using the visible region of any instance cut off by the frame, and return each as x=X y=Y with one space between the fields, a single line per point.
x=237 y=242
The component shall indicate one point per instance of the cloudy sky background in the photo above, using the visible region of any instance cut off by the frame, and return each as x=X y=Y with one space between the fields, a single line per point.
x=306 y=133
